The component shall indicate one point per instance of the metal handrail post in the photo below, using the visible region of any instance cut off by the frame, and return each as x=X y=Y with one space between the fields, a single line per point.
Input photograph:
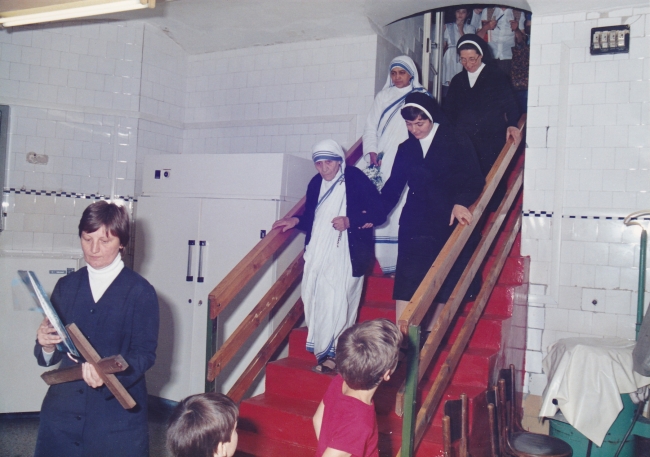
x=410 y=396
x=631 y=219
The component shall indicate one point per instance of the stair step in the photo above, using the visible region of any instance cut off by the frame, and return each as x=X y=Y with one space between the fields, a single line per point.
x=297 y=343
x=503 y=299
x=292 y=418
x=377 y=309
x=515 y=270
x=252 y=444
x=282 y=375
x=485 y=333
x=474 y=369
x=379 y=288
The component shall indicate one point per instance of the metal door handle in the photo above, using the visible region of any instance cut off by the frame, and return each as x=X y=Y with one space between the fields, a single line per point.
x=190 y=245
x=200 y=276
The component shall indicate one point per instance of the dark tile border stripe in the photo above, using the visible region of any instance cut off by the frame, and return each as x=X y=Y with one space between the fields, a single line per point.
x=48 y=193
x=568 y=216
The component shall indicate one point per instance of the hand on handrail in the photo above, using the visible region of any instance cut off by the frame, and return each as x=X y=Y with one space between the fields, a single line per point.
x=514 y=133
x=286 y=223
x=461 y=213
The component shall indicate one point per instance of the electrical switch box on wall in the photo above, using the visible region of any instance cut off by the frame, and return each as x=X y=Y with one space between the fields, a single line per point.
x=610 y=40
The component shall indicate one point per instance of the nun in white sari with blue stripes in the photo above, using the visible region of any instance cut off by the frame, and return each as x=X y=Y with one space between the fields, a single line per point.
x=385 y=130
x=341 y=207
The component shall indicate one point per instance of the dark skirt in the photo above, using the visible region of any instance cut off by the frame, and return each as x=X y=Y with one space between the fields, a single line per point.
x=416 y=254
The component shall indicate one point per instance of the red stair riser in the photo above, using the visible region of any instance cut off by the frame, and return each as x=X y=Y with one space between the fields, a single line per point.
x=297 y=342
x=281 y=379
x=285 y=425
x=502 y=300
x=379 y=288
x=515 y=270
x=487 y=333
x=368 y=313
x=473 y=369
x=264 y=446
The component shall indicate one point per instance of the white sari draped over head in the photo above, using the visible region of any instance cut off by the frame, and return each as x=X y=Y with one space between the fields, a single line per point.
x=385 y=130
x=330 y=293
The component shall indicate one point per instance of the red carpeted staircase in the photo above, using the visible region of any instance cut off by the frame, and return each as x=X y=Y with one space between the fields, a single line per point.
x=279 y=421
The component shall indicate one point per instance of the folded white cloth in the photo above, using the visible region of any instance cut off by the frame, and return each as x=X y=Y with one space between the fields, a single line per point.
x=587 y=377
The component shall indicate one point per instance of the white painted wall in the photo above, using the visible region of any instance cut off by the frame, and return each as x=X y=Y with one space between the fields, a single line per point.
x=587 y=166
x=281 y=98
x=97 y=98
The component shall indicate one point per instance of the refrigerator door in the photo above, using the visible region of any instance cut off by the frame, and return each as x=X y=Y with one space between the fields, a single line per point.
x=21 y=386
x=231 y=228
x=263 y=176
x=164 y=228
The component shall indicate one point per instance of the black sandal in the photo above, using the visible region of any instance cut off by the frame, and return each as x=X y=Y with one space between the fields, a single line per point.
x=327 y=366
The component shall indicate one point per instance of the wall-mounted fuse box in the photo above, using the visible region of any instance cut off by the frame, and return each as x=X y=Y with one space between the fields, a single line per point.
x=610 y=40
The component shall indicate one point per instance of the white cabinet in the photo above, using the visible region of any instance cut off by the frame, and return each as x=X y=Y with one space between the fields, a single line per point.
x=207 y=214
x=21 y=386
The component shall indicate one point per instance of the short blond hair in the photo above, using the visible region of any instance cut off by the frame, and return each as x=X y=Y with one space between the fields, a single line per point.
x=366 y=351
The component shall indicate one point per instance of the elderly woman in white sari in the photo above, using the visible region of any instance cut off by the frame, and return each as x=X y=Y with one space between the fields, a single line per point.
x=385 y=130
x=341 y=208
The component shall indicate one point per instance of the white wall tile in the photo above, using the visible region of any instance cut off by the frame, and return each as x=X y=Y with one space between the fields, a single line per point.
x=593 y=300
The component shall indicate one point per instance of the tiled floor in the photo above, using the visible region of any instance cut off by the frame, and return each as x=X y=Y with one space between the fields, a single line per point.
x=18 y=435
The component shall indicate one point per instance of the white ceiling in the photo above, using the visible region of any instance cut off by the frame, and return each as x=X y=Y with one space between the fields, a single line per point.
x=201 y=26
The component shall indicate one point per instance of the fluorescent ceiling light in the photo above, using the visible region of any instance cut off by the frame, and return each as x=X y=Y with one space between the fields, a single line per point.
x=49 y=11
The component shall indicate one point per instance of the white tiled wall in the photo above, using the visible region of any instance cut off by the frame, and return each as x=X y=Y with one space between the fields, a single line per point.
x=74 y=95
x=97 y=98
x=280 y=98
x=587 y=164
x=44 y=223
x=164 y=66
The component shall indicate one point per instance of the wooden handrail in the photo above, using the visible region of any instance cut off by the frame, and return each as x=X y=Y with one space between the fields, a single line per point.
x=254 y=319
x=430 y=285
x=447 y=370
x=450 y=308
x=241 y=386
x=238 y=277
x=411 y=438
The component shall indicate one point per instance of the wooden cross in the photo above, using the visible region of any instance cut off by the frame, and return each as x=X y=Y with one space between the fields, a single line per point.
x=104 y=367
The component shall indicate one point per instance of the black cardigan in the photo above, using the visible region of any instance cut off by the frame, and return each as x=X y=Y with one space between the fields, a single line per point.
x=448 y=175
x=483 y=112
x=363 y=205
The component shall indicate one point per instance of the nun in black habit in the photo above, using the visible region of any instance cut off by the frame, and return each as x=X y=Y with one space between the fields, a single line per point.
x=481 y=102
x=117 y=310
x=439 y=166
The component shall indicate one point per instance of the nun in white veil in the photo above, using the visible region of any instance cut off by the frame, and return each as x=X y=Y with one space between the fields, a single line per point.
x=385 y=130
x=341 y=207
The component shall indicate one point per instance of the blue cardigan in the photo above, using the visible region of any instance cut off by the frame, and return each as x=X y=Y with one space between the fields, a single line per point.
x=77 y=420
x=363 y=205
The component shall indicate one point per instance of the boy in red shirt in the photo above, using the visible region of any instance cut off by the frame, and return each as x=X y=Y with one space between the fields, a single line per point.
x=345 y=421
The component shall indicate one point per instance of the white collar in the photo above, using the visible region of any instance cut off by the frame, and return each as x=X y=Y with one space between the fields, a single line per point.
x=426 y=141
x=474 y=76
x=101 y=278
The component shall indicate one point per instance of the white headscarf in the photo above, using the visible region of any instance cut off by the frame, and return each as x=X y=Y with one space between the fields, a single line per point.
x=328 y=150
x=393 y=97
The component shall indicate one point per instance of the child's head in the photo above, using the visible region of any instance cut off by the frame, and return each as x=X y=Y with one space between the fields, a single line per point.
x=366 y=351
x=203 y=425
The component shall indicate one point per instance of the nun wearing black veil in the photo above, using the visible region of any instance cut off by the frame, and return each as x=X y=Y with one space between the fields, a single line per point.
x=444 y=178
x=482 y=103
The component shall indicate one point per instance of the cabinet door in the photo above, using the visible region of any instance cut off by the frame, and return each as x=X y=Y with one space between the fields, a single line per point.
x=21 y=386
x=231 y=228
x=164 y=226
